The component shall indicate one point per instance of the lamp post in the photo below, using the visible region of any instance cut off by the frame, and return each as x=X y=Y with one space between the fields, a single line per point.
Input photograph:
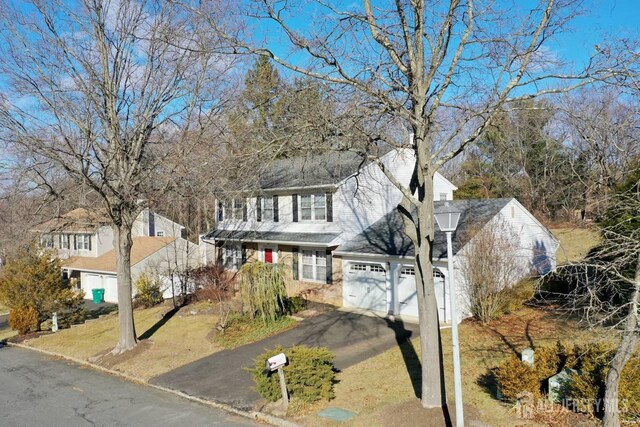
x=448 y=222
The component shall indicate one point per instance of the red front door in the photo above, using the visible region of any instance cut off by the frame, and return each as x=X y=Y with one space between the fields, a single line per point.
x=268 y=255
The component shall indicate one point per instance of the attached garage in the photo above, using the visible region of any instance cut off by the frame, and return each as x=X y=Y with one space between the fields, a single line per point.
x=407 y=296
x=365 y=286
x=90 y=281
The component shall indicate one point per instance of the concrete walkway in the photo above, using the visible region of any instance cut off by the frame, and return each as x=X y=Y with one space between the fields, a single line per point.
x=352 y=337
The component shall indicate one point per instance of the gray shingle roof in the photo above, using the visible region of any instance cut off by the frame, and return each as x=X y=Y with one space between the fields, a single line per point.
x=327 y=168
x=386 y=236
x=272 y=236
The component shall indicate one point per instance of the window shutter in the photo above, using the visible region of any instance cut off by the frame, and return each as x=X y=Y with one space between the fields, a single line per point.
x=90 y=239
x=275 y=209
x=294 y=266
x=294 y=203
x=244 y=210
x=259 y=208
x=244 y=254
x=329 y=269
x=75 y=243
x=329 y=207
x=220 y=210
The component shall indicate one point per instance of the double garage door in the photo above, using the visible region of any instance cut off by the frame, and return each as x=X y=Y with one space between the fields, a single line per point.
x=109 y=283
x=365 y=286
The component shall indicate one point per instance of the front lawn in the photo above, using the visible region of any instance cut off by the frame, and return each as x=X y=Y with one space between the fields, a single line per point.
x=381 y=389
x=244 y=330
x=177 y=341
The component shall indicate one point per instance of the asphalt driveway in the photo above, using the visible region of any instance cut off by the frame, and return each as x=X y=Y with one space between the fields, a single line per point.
x=352 y=337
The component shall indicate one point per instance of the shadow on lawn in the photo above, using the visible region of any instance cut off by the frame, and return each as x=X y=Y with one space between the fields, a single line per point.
x=413 y=364
x=159 y=324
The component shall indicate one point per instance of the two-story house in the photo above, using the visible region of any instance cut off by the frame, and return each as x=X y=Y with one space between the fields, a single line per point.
x=303 y=209
x=332 y=220
x=83 y=239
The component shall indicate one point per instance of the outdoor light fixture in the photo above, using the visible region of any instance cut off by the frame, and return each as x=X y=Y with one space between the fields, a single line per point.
x=448 y=222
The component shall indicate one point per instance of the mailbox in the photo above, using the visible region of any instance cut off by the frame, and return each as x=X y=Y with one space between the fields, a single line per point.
x=277 y=361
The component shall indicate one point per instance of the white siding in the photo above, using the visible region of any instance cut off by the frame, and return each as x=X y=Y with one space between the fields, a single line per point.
x=141 y=226
x=359 y=201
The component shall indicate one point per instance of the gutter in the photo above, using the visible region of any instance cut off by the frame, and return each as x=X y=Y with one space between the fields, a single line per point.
x=280 y=242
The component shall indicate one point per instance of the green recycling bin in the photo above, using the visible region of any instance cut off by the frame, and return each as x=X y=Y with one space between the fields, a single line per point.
x=98 y=295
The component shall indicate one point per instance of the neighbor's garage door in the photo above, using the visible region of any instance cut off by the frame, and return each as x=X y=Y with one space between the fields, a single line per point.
x=407 y=295
x=89 y=282
x=111 y=289
x=365 y=286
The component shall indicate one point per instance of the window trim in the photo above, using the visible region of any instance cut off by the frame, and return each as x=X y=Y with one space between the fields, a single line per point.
x=313 y=208
x=48 y=241
x=65 y=241
x=314 y=251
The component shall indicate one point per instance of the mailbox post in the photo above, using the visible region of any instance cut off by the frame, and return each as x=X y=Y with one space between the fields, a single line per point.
x=276 y=363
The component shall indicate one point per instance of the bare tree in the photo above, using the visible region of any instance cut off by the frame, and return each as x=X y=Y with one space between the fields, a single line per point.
x=443 y=70
x=490 y=263
x=95 y=88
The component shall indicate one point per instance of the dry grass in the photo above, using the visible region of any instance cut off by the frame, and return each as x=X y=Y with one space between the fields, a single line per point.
x=377 y=388
x=181 y=340
x=575 y=242
x=4 y=309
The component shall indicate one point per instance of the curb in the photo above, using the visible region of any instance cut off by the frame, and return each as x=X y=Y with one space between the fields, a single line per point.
x=253 y=415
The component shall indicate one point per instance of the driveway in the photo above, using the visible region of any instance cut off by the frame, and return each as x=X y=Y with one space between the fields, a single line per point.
x=352 y=337
x=37 y=390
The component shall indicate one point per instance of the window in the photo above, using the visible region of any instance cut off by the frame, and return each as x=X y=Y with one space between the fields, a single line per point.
x=237 y=208
x=358 y=267
x=314 y=265
x=438 y=274
x=377 y=268
x=64 y=241
x=443 y=196
x=313 y=207
x=83 y=242
x=160 y=233
x=407 y=271
x=47 y=240
x=233 y=257
x=267 y=208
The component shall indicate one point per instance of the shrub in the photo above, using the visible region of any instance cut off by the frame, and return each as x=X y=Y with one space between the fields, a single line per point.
x=24 y=320
x=515 y=377
x=629 y=390
x=213 y=283
x=148 y=292
x=309 y=374
x=263 y=291
x=33 y=278
x=515 y=296
x=295 y=304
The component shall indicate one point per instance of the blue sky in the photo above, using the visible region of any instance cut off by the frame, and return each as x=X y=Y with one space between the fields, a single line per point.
x=603 y=18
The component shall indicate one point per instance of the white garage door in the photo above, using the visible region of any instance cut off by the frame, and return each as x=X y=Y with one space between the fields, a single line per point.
x=365 y=286
x=111 y=289
x=89 y=282
x=407 y=295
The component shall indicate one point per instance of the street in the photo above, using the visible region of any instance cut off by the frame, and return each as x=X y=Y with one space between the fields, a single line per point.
x=36 y=390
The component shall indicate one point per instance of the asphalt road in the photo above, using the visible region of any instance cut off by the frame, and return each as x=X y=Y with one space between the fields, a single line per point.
x=36 y=390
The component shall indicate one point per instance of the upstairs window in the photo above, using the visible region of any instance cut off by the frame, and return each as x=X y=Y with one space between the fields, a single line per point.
x=83 y=242
x=443 y=197
x=313 y=207
x=160 y=233
x=267 y=208
x=65 y=240
x=47 y=241
x=237 y=209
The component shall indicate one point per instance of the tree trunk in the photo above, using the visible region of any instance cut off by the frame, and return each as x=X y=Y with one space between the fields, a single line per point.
x=623 y=354
x=433 y=395
x=122 y=242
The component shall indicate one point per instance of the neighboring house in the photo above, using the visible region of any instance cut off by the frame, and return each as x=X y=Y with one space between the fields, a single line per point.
x=379 y=268
x=83 y=239
x=303 y=209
